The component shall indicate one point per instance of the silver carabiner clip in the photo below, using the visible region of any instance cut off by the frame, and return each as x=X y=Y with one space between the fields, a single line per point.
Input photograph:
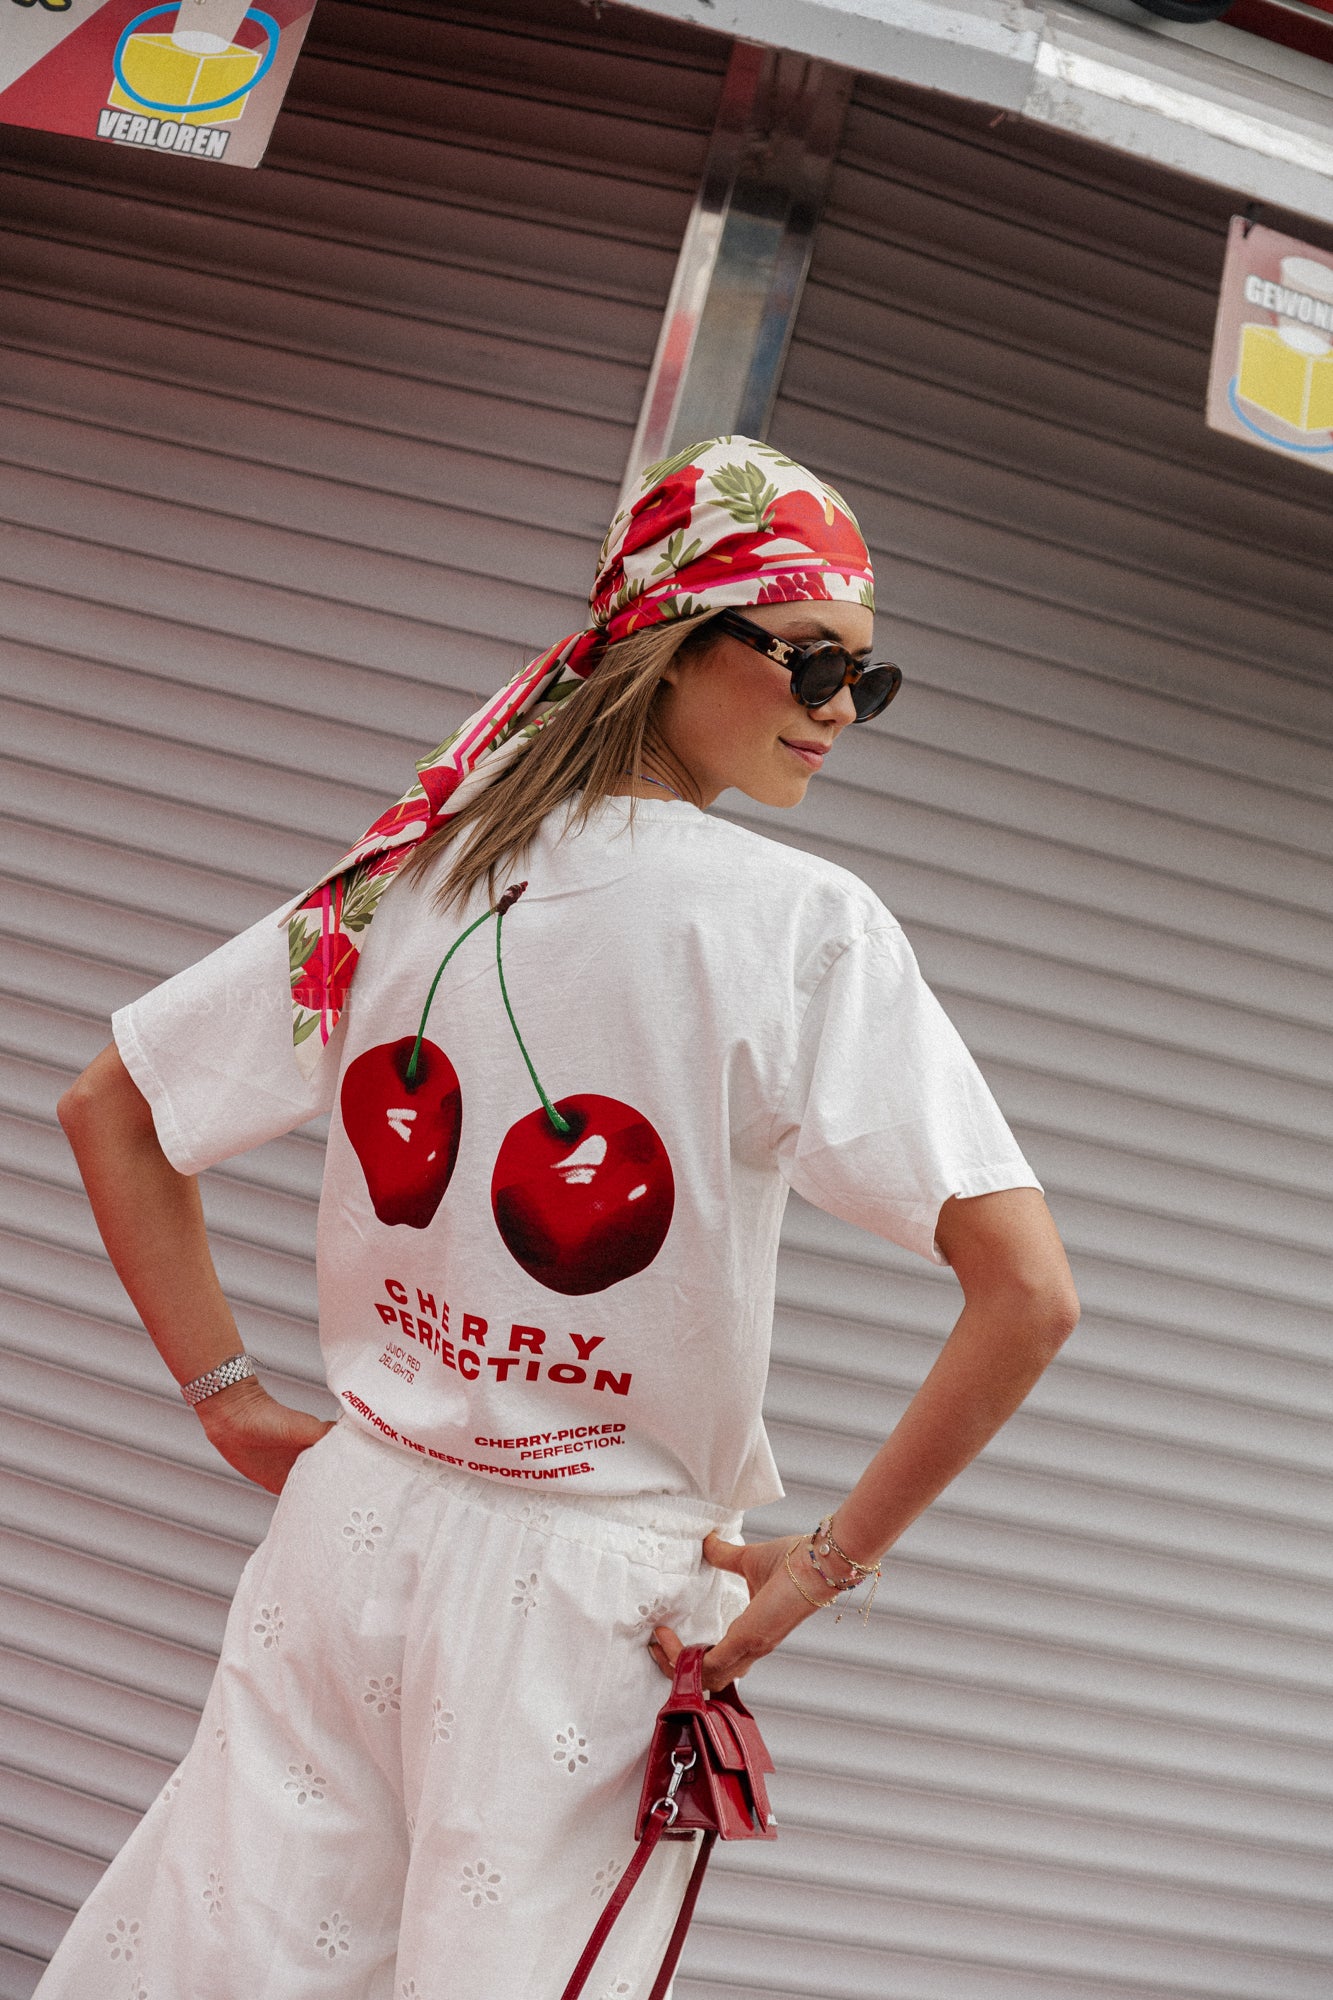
x=679 y=1766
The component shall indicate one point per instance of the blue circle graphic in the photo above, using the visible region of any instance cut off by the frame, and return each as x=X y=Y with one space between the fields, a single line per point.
x=1269 y=437
x=265 y=21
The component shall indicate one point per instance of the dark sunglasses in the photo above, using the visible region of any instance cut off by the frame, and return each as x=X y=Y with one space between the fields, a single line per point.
x=821 y=671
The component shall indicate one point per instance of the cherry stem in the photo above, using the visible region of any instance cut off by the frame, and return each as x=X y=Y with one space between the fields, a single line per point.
x=559 y=1124
x=506 y=902
x=411 y=1077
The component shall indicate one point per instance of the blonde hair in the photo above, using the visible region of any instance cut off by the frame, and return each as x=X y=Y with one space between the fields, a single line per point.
x=587 y=745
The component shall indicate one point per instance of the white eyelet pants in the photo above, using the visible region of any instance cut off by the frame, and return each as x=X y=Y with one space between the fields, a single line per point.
x=417 y=1770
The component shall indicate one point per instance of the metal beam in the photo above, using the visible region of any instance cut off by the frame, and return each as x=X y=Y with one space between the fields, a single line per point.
x=1212 y=101
x=745 y=253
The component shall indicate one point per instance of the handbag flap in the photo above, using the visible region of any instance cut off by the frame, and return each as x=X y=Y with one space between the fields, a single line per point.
x=728 y=1752
x=756 y=1750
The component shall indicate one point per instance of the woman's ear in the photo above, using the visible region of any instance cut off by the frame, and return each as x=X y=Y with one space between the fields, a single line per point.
x=691 y=651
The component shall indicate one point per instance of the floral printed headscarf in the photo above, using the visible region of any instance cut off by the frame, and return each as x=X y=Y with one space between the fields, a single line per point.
x=728 y=522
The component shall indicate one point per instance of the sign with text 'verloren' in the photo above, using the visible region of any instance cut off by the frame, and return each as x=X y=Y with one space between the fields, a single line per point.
x=203 y=79
x=1272 y=374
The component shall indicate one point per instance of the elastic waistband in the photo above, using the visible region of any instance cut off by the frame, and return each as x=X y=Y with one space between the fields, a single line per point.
x=661 y=1530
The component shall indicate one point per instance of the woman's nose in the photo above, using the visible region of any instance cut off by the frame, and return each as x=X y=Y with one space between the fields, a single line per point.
x=840 y=708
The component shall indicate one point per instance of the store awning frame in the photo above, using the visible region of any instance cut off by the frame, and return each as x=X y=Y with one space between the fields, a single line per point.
x=1210 y=101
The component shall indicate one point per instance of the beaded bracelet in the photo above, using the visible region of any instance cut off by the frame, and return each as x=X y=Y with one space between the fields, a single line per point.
x=822 y=1543
x=848 y=1583
x=822 y=1539
x=835 y=1583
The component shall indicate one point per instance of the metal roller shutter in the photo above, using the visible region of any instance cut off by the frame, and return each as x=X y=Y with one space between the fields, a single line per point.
x=1073 y=1756
x=295 y=463
x=1082 y=1747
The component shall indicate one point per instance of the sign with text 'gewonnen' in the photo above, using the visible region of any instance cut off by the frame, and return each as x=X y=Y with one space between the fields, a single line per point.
x=1272 y=374
x=199 y=78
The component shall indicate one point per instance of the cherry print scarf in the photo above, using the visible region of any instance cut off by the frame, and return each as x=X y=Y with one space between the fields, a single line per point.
x=728 y=522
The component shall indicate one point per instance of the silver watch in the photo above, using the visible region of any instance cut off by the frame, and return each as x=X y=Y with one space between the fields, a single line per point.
x=222 y=1377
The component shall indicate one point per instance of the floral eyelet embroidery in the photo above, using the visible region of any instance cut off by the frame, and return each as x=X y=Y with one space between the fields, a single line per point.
x=220 y=1738
x=479 y=1883
x=268 y=1626
x=304 y=1783
x=362 y=1531
x=618 y=1990
x=122 y=1940
x=409 y=1990
x=333 y=1936
x=442 y=1722
x=213 y=1893
x=170 y=1789
x=649 y=1548
x=604 y=1881
x=527 y=1593
x=534 y=1516
x=383 y=1694
x=570 y=1748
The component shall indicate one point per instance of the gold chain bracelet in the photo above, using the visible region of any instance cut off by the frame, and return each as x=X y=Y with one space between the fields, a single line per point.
x=796 y=1583
x=822 y=1543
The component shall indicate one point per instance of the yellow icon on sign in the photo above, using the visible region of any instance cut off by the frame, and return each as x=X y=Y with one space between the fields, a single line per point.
x=196 y=72
x=156 y=68
x=1288 y=371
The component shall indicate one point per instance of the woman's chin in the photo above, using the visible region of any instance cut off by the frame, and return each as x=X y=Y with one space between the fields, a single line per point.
x=776 y=788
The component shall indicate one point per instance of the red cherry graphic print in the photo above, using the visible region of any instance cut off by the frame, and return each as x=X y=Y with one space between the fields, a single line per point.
x=586 y=1208
x=404 y=1134
x=403 y=1109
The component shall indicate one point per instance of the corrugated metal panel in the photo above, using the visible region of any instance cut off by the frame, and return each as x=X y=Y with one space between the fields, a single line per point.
x=294 y=464
x=1081 y=1748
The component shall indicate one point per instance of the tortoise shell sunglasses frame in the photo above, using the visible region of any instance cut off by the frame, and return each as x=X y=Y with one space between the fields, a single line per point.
x=820 y=671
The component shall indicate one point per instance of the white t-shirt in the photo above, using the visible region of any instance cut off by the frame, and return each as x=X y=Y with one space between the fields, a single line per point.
x=717 y=1017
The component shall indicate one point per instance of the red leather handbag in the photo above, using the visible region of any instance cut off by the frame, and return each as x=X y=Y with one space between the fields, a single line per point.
x=706 y=1768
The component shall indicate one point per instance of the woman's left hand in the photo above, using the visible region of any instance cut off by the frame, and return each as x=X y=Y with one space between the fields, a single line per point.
x=776 y=1608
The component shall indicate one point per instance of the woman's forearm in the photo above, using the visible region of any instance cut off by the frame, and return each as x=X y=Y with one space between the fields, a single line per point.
x=150 y=1218
x=152 y=1223
x=1020 y=1305
x=990 y=1361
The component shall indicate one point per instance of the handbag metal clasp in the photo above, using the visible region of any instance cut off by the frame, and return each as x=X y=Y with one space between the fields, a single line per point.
x=679 y=1766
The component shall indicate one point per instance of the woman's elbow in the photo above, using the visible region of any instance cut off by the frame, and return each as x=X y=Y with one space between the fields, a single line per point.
x=1056 y=1316
x=77 y=1106
x=103 y=1094
x=1040 y=1310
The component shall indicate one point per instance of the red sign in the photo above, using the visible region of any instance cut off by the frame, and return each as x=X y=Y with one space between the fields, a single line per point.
x=202 y=78
x=1272 y=374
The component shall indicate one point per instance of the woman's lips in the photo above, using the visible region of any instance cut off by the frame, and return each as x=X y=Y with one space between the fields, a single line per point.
x=810 y=754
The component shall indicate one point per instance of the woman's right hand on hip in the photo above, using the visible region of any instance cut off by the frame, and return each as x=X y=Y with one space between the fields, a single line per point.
x=257 y=1435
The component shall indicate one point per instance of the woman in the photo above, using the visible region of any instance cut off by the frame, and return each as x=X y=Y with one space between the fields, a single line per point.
x=578 y=1039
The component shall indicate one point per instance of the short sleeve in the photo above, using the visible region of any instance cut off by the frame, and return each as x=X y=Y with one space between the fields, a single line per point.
x=211 y=1050
x=886 y=1115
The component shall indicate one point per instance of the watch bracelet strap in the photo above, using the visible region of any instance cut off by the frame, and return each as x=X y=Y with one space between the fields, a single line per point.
x=235 y=1369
